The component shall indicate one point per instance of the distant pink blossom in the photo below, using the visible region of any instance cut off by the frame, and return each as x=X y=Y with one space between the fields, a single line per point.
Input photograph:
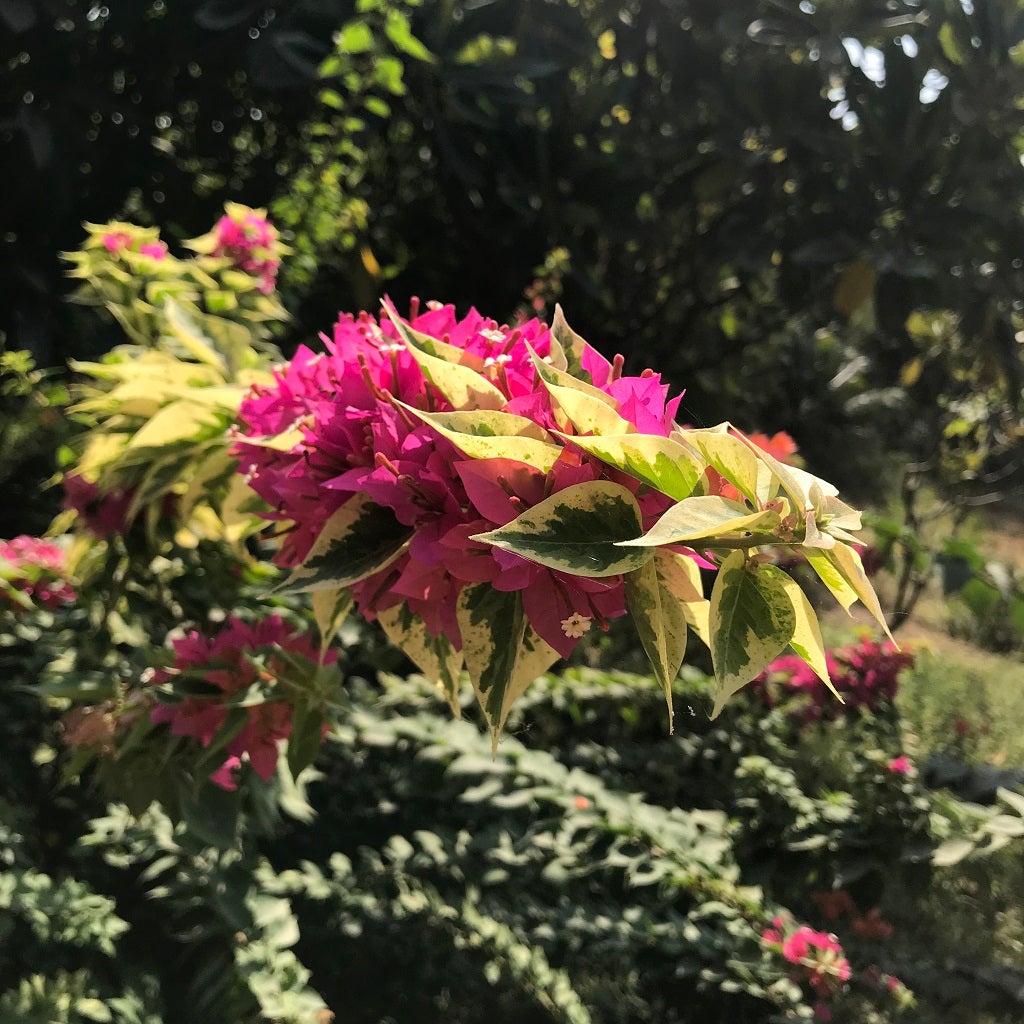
x=37 y=569
x=155 y=250
x=115 y=241
x=900 y=765
x=225 y=661
x=249 y=240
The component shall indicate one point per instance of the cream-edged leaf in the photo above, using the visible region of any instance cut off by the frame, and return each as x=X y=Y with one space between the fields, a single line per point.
x=752 y=621
x=663 y=464
x=577 y=530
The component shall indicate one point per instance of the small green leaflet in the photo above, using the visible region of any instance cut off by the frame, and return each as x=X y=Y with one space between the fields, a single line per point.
x=434 y=656
x=752 y=622
x=577 y=530
x=503 y=654
x=330 y=609
x=660 y=623
x=665 y=465
x=705 y=519
x=358 y=540
x=486 y=434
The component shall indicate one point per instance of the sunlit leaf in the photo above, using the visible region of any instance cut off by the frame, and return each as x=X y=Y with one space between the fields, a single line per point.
x=705 y=518
x=183 y=420
x=330 y=609
x=664 y=464
x=806 y=640
x=434 y=656
x=680 y=576
x=846 y=560
x=577 y=530
x=358 y=540
x=752 y=621
x=660 y=623
x=503 y=654
x=728 y=455
x=487 y=434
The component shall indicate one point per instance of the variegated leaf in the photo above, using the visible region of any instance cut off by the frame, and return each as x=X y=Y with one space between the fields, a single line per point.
x=752 y=622
x=660 y=623
x=705 y=519
x=486 y=434
x=665 y=465
x=577 y=530
x=503 y=654
x=434 y=656
x=358 y=540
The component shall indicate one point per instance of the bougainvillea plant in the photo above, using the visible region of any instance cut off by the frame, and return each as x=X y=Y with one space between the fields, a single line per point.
x=232 y=691
x=33 y=573
x=490 y=494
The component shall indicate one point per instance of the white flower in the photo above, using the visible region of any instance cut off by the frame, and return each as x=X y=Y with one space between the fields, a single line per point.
x=576 y=625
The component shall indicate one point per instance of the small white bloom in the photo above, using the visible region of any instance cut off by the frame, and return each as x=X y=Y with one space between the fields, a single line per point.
x=576 y=625
x=493 y=334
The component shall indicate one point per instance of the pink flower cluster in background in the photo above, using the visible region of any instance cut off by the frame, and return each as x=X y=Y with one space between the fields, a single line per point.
x=121 y=241
x=36 y=569
x=817 y=956
x=225 y=660
x=866 y=674
x=249 y=240
x=102 y=515
x=357 y=439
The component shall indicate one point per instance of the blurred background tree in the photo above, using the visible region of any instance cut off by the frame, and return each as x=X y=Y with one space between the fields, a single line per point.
x=807 y=214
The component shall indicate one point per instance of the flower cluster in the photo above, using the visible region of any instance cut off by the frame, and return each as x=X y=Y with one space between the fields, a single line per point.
x=356 y=412
x=865 y=674
x=127 y=238
x=249 y=240
x=237 y=666
x=103 y=515
x=817 y=956
x=33 y=572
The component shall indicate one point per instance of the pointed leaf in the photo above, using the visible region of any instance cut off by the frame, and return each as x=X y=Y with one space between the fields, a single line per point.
x=830 y=575
x=660 y=462
x=660 y=624
x=414 y=339
x=185 y=331
x=434 y=656
x=486 y=434
x=570 y=344
x=728 y=455
x=705 y=519
x=752 y=621
x=846 y=560
x=587 y=414
x=680 y=576
x=503 y=654
x=358 y=540
x=180 y=421
x=577 y=530
x=330 y=609
x=806 y=641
